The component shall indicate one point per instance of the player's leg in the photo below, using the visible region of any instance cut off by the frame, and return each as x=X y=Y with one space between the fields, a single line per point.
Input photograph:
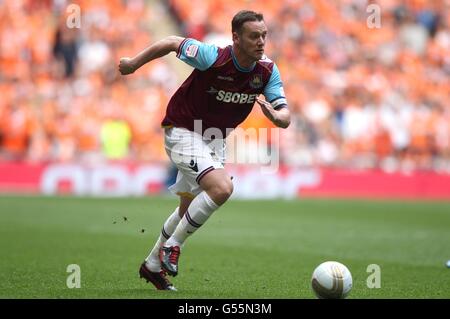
x=152 y=261
x=217 y=188
x=185 y=201
x=151 y=268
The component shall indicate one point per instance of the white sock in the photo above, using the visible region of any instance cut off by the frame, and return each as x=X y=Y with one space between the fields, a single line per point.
x=200 y=209
x=152 y=261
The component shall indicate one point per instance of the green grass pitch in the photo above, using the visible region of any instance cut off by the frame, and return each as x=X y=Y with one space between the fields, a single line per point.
x=248 y=249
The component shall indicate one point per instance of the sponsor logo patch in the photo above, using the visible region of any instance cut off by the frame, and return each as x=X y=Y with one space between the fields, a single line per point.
x=236 y=98
x=192 y=50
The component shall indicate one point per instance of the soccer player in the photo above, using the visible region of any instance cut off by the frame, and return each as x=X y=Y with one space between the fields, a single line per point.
x=217 y=96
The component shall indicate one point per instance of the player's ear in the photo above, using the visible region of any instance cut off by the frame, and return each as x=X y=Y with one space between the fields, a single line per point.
x=235 y=37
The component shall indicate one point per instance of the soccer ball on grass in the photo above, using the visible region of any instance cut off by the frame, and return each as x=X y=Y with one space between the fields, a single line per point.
x=331 y=280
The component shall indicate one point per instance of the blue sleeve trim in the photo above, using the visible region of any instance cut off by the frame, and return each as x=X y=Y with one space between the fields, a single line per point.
x=277 y=98
x=181 y=47
x=281 y=106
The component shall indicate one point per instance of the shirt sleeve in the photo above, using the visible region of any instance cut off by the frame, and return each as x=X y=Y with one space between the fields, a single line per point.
x=197 y=54
x=274 y=92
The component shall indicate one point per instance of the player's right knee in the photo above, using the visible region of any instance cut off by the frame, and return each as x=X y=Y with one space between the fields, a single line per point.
x=221 y=191
x=227 y=188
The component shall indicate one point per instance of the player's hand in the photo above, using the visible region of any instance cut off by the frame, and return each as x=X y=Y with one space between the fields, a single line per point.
x=263 y=104
x=280 y=118
x=266 y=107
x=126 y=66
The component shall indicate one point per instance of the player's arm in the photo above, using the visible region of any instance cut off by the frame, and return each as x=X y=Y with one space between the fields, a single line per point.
x=156 y=50
x=275 y=107
x=195 y=53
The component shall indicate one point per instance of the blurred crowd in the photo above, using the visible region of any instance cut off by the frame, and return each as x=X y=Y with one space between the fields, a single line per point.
x=365 y=91
x=62 y=98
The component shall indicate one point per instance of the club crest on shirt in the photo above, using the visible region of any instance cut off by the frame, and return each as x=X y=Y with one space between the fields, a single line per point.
x=256 y=81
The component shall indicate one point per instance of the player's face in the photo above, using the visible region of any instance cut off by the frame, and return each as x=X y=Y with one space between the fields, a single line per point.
x=252 y=39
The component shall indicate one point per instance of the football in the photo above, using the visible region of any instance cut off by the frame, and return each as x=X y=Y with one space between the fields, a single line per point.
x=331 y=280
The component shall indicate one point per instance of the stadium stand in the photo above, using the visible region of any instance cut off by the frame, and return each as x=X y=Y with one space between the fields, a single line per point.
x=361 y=97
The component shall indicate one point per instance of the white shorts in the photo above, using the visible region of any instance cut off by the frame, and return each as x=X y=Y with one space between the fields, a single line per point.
x=194 y=157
